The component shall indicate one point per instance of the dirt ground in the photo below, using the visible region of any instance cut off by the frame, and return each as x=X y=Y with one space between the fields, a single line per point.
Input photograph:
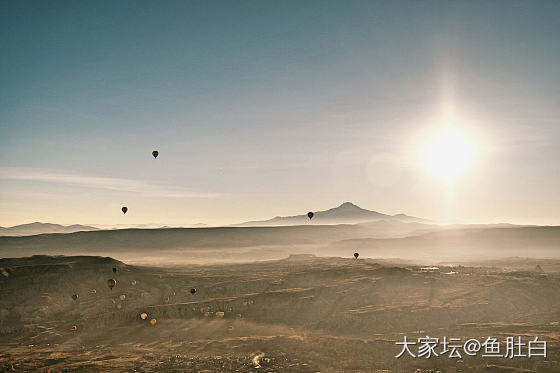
x=301 y=314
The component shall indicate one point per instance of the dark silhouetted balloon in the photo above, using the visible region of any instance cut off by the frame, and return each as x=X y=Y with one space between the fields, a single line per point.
x=155 y=153
x=310 y=214
x=114 y=269
x=193 y=291
x=111 y=283
x=124 y=209
x=356 y=255
x=75 y=296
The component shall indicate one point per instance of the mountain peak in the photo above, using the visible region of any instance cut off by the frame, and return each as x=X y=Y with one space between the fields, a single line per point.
x=346 y=213
x=349 y=205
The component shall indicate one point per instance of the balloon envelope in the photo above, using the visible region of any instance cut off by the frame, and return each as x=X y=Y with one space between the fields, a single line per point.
x=356 y=255
x=124 y=209
x=75 y=296
x=155 y=153
x=310 y=214
x=193 y=290
x=111 y=283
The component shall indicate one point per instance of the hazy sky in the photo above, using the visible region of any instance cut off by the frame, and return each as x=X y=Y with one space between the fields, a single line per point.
x=264 y=108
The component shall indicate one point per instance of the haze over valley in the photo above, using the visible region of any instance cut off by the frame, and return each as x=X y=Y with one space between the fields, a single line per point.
x=339 y=231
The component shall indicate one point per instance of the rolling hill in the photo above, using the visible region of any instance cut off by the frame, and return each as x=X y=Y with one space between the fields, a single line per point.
x=260 y=243
x=41 y=228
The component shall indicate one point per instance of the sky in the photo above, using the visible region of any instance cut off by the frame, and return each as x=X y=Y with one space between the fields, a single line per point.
x=265 y=108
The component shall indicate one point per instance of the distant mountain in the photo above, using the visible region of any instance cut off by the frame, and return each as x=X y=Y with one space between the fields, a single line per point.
x=347 y=213
x=41 y=228
x=198 y=225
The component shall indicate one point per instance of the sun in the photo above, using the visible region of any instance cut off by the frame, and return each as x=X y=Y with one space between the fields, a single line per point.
x=448 y=154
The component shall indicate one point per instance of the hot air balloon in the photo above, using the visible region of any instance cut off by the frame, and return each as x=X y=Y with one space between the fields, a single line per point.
x=74 y=328
x=122 y=297
x=111 y=283
x=153 y=321
x=93 y=291
x=124 y=209
x=310 y=214
x=193 y=291
x=133 y=282
x=356 y=255
x=155 y=153
x=143 y=315
x=75 y=296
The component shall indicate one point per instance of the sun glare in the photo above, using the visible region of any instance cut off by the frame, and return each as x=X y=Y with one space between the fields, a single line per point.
x=448 y=154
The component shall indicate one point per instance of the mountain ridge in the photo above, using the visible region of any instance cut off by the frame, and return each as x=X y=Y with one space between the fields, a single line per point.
x=346 y=213
x=43 y=228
